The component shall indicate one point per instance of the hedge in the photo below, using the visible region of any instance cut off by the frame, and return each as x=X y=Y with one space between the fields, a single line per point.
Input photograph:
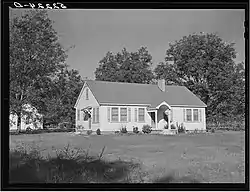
x=39 y=131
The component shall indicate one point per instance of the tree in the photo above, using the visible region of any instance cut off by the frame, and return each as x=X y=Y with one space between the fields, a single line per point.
x=132 y=67
x=35 y=56
x=205 y=64
x=64 y=92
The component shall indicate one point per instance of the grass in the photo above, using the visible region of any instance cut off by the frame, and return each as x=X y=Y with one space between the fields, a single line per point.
x=64 y=157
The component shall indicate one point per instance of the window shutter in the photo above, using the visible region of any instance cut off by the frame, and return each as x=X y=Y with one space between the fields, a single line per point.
x=200 y=117
x=184 y=115
x=108 y=113
x=135 y=114
x=129 y=114
x=172 y=114
x=119 y=112
x=97 y=114
x=78 y=114
x=94 y=115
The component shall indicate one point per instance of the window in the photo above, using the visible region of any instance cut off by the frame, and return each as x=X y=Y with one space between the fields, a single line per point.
x=78 y=114
x=200 y=116
x=141 y=115
x=123 y=114
x=192 y=115
x=189 y=114
x=87 y=94
x=114 y=114
x=195 y=115
x=95 y=115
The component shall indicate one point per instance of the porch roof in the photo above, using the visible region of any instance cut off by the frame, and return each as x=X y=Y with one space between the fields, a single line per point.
x=151 y=109
x=135 y=93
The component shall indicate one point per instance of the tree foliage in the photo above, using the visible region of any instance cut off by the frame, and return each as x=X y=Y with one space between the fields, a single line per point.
x=205 y=64
x=62 y=96
x=35 y=56
x=132 y=67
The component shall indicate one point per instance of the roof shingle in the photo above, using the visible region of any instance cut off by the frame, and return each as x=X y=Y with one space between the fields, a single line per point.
x=135 y=93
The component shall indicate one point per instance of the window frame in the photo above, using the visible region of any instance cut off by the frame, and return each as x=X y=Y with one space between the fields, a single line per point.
x=139 y=114
x=197 y=115
x=187 y=115
x=94 y=116
x=111 y=111
x=121 y=114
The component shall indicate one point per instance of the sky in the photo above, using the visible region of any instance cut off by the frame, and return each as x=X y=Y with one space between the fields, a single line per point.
x=95 y=32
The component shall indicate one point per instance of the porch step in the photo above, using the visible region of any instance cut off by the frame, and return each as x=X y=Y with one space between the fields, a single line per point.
x=169 y=132
x=156 y=130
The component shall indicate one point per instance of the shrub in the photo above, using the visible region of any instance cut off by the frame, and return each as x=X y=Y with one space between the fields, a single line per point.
x=173 y=126
x=196 y=131
x=165 y=127
x=89 y=132
x=135 y=130
x=79 y=127
x=28 y=129
x=181 y=128
x=61 y=125
x=65 y=125
x=238 y=126
x=146 y=129
x=14 y=133
x=37 y=131
x=98 y=131
x=123 y=129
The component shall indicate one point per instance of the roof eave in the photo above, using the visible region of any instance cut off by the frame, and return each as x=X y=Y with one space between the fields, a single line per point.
x=199 y=106
x=79 y=96
x=106 y=103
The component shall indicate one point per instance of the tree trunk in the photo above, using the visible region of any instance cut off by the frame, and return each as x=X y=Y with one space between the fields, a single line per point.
x=19 y=121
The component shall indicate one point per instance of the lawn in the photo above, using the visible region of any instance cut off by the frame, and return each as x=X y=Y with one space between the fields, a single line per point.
x=214 y=157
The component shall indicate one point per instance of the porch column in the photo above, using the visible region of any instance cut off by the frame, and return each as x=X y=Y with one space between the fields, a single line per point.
x=168 y=119
x=156 y=121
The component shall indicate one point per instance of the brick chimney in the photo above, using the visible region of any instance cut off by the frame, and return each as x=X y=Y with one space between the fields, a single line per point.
x=161 y=84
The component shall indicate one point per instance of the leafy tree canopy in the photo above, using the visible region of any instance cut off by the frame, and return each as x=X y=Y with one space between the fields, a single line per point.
x=205 y=64
x=35 y=56
x=61 y=97
x=132 y=67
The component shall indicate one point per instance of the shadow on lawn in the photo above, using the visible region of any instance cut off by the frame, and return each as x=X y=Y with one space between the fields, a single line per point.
x=172 y=179
x=25 y=168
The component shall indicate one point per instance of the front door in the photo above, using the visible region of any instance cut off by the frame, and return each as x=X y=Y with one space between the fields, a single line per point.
x=152 y=115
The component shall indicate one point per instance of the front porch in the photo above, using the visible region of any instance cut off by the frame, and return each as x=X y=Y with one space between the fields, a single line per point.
x=160 y=116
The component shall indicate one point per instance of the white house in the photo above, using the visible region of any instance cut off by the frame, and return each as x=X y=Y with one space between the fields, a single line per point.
x=111 y=105
x=35 y=121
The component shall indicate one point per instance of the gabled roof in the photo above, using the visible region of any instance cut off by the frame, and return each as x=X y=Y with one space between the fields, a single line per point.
x=135 y=93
